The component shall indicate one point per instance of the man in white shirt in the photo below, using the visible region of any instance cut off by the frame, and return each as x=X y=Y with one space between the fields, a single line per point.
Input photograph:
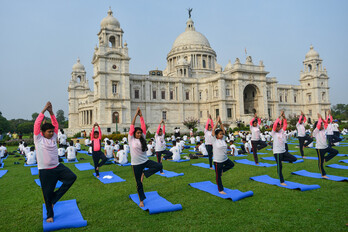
x=62 y=140
x=175 y=151
x=71 y=152
x=109 y=150
x=126 y=147
x=192 y=140
x=234 y=149
x=150 y=149
x=31 y=158
x=3 y=151
x=122 y=156
x=78 y=145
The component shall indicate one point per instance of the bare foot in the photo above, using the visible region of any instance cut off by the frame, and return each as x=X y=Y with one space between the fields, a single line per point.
x=141 y=204
x=283 y=184
x=49 y=219
x=162 y=173
x=304 y=157
x=212 y=168
x=257 y=163
x=326 y=177
x=222 y=192
x=142 y=178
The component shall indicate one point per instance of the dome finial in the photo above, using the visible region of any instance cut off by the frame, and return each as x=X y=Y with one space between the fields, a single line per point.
x=311 y=47
x=189 y=11
x=78 y=59
x=109 y=11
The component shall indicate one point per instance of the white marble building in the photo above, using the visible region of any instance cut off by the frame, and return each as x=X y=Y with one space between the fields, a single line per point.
x=192 y=85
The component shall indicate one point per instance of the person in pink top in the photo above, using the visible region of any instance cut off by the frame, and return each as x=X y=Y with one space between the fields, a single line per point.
x=279 y=150
x=331 y=137
x=50 y=170
x=97 y=154
x=301 y=134
x=139 y=159
x=256 y=141
x=208 y=139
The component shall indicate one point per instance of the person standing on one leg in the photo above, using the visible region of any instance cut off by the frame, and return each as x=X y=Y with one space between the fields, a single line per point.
x=279 y=150
x=256 y=141
x=331 y=137
x=322 y=146
x=303 y=138
x=50 y=170
x=160 y=147
x=97 y=154
x=139 y=160
x=221 y=162
x=208 y=140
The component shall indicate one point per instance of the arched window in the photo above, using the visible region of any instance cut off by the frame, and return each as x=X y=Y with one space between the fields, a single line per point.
x=204 y=64
x=115 y=117
x=309 y=67
x=78 y=79
x=112 y=42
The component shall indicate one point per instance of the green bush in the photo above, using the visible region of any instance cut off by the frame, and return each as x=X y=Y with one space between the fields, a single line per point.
x=115 y=137
x=15 y=142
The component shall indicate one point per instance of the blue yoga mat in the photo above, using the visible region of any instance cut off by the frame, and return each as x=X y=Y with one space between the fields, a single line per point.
x=262 y=153
x=273 y=159
x=66 y=215
x=338 y=166
x=59 y=183
x=114 y=178
x=29 y=165
x=318 y=175
x=84 y=166
x=193 y=151
x=180 y=161
x=82 y=152
x=290 y=185
x=233 y=194
x=344 y=161
x=34 y=171
x=124 y=165
x=248 y=162
x=154 y=203
x=2 y=165
x=292 y=151
x=238 y=155
x=202 y=165
x=169 y=174
x=307 y=157
x=66 y=161
x=342 y=155
x=3 y=172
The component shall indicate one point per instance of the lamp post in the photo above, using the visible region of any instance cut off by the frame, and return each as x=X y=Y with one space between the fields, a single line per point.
x=116 y=123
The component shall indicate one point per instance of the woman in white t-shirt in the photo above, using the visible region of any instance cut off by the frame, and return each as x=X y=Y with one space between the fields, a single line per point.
x=31 y=156
x=122 y=157
x=150 y=149
x=109 y=150
x=234 y=149
x=137 y=142
x=221 y=162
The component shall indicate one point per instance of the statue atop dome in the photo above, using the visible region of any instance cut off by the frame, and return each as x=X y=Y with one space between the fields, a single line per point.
x=189 y=11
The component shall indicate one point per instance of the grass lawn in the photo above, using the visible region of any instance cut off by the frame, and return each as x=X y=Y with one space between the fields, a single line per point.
x=107 y=207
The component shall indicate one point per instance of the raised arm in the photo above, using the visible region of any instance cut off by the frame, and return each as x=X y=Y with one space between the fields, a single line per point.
x=164 y=128
x=142 y=122
x=53 y=119
x=131 y=129
x=251 y=122
x=222 y=126
x=100 y=133
x=214 y=128
x=275 y=124
x=285 y=124
x=207 y=124
x=320 y=120
x=39 y=119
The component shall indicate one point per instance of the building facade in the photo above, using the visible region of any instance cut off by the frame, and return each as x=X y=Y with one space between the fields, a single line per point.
x=192 y=85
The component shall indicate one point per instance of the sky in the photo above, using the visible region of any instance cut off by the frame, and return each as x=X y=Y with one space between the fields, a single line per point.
x=41 y=40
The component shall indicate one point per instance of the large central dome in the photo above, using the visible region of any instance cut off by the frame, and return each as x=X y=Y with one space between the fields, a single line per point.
x=190 y=37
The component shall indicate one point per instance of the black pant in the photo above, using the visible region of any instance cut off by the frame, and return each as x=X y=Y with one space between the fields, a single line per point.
x=138 y=170
x=333 y=139
x=219 y=169
x=167 y=155
x=257 y=145
x=321 y=157
x=303 y=142
x=286 y=147
x=286 y=156
x=97 y=155
x=210 y=154
x=49 y=179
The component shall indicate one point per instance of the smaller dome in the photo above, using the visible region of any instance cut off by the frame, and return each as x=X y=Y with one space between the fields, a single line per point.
x=229 y=66
x=312 y=53
x=182 y=61
x=110 y=21
x=78 y=66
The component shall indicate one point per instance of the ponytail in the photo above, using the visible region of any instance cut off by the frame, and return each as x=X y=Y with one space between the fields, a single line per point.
x=142 y=140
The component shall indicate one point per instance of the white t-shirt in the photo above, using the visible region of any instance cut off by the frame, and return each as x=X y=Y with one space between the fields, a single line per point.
x=208 y=137
x=192 y=140
x=116 y=147
x=184 y=137
x=160 y=142
x=90 y=150
x=137 y=155
x=329 y=129
x=87 y=142
x=202 y=149
x=109 y=151
x=61 y=152
x=2 y=151
x=78 y=146
x=219 y=150
x=301 y=130
x=62 y=139
x=71 y=153
x=122 y=157
x=255 y=133
x=235 y=149
x=198 y=139
x=31 y=157
x=126 y=148
x=320 y=138
x=149 y=149
x=124 y=139
x=176 y=153
x=26 y=151
x=247 y=147
x=335 y=127
x=179 y=146
x=279 y=140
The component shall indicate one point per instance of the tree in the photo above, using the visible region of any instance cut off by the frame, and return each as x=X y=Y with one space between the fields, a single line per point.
x=190 y=123
x=340 y=111
x=26 y=127
x=34 y=116
x=60 y=117
x=4 y=124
